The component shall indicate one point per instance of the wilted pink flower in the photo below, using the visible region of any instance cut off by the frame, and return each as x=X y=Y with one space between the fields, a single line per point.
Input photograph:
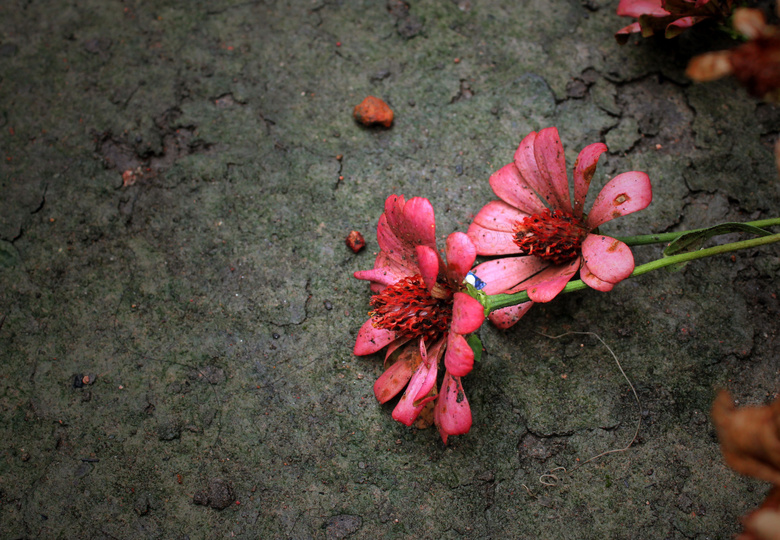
x=420 y=314
x=670 y=16
x=537 y=218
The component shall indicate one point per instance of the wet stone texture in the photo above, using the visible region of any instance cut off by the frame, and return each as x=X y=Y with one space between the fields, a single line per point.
x=176 y=185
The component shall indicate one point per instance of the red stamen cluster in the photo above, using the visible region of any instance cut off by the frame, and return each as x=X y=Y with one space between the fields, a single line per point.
x=553 y=236
x=407 y=308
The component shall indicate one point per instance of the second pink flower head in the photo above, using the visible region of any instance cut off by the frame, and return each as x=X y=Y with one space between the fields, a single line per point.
x=544 y=228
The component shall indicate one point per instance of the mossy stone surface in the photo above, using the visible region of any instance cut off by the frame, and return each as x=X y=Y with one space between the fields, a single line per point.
x=176 y=185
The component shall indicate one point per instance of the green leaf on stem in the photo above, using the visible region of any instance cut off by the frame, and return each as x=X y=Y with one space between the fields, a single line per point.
x=476 y=345
x=694 y=240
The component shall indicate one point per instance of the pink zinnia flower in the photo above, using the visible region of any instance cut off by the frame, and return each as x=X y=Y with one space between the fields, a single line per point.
x=537 y=217
x=670 y=16
x=420 y=313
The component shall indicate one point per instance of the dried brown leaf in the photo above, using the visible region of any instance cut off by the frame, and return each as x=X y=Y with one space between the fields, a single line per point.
x=749 y=437
x=764 y=522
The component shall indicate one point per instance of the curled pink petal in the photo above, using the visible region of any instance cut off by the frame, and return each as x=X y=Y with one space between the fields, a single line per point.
x=412 y=221
x=452 y=413
x=418 y=212
x=502 y=274
x=461 y=254
x=401 y=253
x=467 y=314
x=623 y=34
x=405 y=225
x=395 y=377
x=531 y=176
x=459 y=356
x=675 y=28
x=584 y=168
x=371 y=339
x=551 y=161
x=511 y=187
x=430 y=379
x=508 y=316
x=607 y=258
x=428 y=261
x=408 y=407
x=490 y=242
x=552 y=281
x=395 y=345
x=384 y=275
x=499 y=216
x=592 y=281
x=624 y=194
x=635 y=8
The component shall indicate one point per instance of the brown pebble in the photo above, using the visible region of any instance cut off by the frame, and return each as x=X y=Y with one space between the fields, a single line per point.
x=373 y=111
x=355 y=241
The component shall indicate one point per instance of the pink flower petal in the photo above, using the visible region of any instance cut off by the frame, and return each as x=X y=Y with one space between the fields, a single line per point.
x=592 y=281
x=452 y=413
x=490 y=242
x=527 y=166
x=508 y=316
x=623 y=34
x=406 y=411
x=459 y=356
x=395 y=345
x=467 y=314
x=551 y=161
x=396 y=377
x=461 y=254
x=428 y=262
x=499 y=216
x=405 y=225
x=584 y=169
x=608 y=259
x=511 y=187
x=552 y=281
x=420 y=221
x=401 y=253
x=635 y=8
x=386 y=275
x=500 y=275
x=370 y=339
x=430 y=379
x=677 y=27
x=624 y=194
x=412 y=220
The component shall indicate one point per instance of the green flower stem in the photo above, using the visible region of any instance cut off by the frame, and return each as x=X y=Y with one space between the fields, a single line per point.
x=645 y=239
x=498 y=301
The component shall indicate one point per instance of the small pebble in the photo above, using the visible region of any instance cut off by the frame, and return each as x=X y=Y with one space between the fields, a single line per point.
x=373 y=111
x=328 y=305
x=355 y=241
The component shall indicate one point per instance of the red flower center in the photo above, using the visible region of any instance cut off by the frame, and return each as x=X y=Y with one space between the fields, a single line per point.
x=553 y=236
x=407 y=308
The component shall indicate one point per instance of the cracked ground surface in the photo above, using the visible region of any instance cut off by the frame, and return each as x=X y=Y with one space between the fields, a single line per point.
x=177 y=311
